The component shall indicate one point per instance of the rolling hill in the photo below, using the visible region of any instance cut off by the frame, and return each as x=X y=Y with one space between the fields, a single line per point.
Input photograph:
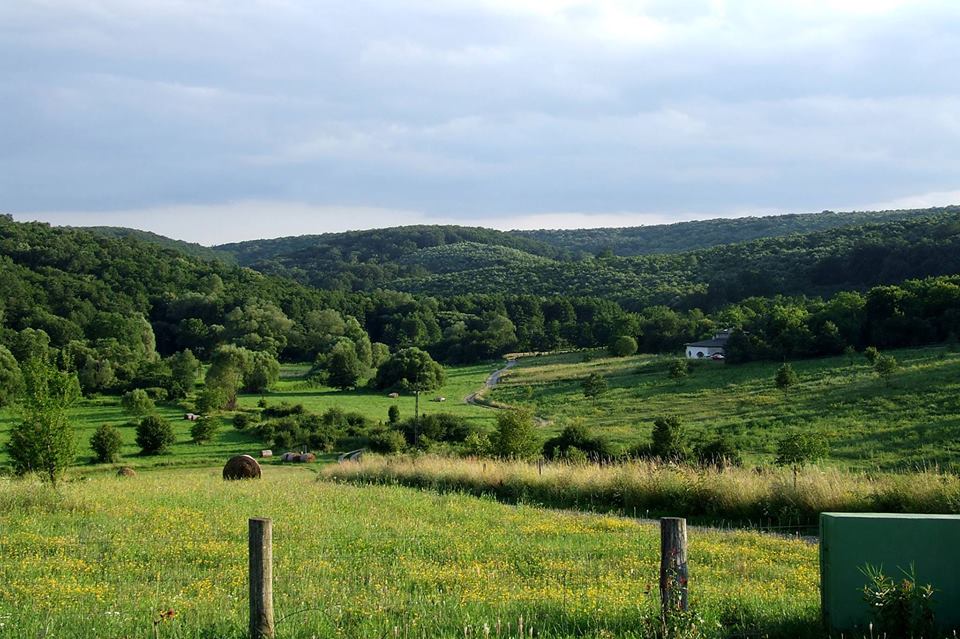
x=450 y=261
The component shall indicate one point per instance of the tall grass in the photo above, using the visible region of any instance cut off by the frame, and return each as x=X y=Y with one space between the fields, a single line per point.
x=368 y=561
x=640 y=487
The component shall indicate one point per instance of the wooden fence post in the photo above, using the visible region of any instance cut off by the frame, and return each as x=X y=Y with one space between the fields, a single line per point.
x=673 y=564
x=261 y=578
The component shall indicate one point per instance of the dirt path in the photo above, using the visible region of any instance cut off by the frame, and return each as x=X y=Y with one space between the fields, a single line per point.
x=491 y=382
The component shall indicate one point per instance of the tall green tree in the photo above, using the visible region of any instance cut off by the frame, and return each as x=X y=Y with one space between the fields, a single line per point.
x=11 y=379
x=344 y=367
x=411 y=369
x=225 y=377
x=43 y=441
x=184 y=369
x=262 y=373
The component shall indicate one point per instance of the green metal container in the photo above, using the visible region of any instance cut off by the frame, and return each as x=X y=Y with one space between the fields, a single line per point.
x=850 y=541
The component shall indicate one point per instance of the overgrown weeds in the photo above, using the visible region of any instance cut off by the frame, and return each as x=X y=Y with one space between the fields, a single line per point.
x=762 y=497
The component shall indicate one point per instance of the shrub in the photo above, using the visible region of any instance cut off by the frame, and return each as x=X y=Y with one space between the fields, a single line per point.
x=515 y=436
x=154 y=435
x=137 y=402
x=387 y=441
x=668 y=438
x=438 y=427
x=594 y=385
x=241 y=421
x=579 y=437
x=393 y=414
x=477 y=444
x=300 y=428
x=679 y=369
x=106 y=443
x=785 y=377
x=871 y=353
x=284 y=409
x=885 y=366
x=623 y=346
x=203 y=430
x=157 y=394
x=719 y=453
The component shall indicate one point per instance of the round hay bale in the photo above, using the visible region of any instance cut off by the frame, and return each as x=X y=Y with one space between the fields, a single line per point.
x=306 y=458
x=241 y=467
x=126 y=471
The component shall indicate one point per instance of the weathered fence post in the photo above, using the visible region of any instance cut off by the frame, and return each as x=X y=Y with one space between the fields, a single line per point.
x=673 y=564
x=261 y=578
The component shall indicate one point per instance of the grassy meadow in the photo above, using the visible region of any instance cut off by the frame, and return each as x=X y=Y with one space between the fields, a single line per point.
x=105 y=556
x=912 y=421
x=90 y=413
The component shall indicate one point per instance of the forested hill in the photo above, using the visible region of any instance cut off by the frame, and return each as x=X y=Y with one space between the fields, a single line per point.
x=453 y=261
x=189 y=248
x=687 y=236
x=380 y=245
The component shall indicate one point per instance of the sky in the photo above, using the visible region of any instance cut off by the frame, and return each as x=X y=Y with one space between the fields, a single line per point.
x=222 y=120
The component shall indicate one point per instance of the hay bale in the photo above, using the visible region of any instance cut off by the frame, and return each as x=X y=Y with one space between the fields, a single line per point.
x=289 y=457
x=126 y=471
x=306 y=458
x=241 y=467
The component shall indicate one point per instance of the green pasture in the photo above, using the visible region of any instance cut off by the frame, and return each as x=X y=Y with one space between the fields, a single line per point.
x=914 y=420
x=292 y=387
x=163 y=554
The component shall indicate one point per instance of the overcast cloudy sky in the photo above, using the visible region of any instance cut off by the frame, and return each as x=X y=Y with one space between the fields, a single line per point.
x=215 y=120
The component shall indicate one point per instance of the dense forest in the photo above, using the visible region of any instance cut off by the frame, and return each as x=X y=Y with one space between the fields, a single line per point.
x=123 y=310
x=450 y=261
x=698 y=234
x=189 y=248
x=112 y=307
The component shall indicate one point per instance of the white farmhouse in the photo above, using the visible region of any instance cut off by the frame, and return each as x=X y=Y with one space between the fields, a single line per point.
x=709 y=347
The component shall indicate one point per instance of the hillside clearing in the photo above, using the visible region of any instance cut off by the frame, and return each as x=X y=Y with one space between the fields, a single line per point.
x=912 y=421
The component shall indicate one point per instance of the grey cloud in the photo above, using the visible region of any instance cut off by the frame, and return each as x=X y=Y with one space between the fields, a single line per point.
x=476 y=110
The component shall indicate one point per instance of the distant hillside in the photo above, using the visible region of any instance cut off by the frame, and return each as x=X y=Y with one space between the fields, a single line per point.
x=855 y=251
x=187 y=248
x=688 y=236
x=454 y=258
x=363 y=260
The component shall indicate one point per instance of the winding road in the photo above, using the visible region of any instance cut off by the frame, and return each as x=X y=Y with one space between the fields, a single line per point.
x=491 y=382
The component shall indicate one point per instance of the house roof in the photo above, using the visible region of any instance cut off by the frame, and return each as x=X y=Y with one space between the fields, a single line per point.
x=710 y=343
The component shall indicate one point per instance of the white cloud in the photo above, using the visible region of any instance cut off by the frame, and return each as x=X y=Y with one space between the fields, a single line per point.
x=916 y=201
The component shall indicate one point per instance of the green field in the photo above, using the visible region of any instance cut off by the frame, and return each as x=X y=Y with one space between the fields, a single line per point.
x=103 y=557
x=91 y=412
x=912 y=421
